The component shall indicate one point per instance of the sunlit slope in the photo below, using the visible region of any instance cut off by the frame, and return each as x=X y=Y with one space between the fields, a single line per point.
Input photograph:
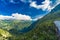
x=14 y=24
x=4 y=35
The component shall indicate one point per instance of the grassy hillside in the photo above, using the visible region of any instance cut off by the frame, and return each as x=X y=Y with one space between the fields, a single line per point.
x=4 y=35
x=14 y=24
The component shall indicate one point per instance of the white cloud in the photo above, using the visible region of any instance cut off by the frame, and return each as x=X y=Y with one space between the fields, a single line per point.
x=21 y=17
x=16 y=16
x=45 y=5
x=5 y=17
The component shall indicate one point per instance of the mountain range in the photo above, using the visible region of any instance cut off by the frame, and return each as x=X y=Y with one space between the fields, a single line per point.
x=44 y=28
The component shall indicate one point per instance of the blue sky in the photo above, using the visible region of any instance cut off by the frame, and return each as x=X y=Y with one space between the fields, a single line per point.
x=34 y=9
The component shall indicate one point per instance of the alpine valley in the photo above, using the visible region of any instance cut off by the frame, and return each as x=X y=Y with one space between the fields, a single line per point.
x=42 y=29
